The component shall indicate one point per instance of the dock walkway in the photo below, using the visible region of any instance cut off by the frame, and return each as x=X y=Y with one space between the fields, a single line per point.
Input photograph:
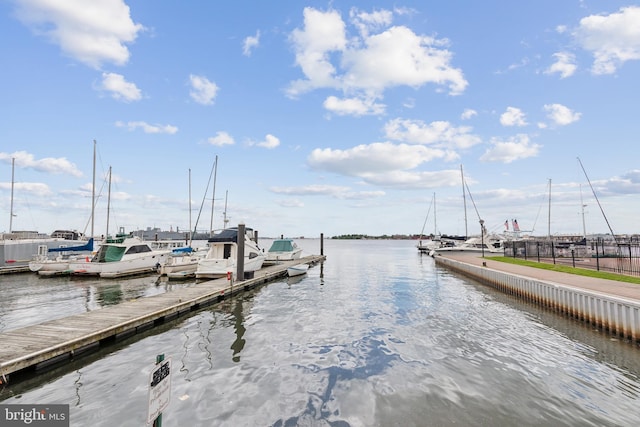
x=37 y=346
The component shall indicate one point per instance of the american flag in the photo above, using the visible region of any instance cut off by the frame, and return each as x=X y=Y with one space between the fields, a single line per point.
x=516 y=227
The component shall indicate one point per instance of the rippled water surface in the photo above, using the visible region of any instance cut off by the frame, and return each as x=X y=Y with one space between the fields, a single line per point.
x=376 y=336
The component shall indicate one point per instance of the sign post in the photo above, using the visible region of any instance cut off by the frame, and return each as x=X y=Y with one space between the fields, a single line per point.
x=159 y=390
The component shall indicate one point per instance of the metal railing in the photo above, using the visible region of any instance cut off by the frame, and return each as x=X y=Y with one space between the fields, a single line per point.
x=620 y=256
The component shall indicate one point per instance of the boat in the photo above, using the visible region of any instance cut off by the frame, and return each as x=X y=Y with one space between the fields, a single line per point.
x=282 y=250
x=124 y=255
x=297 y=270
x=487 y=243
x=221 y=257
x=434 y=241
x=46 y=265
x=182 y=263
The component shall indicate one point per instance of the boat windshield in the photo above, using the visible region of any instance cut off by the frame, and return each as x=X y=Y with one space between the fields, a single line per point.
x=110 y=253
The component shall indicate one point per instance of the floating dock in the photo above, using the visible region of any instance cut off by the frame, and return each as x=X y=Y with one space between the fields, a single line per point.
x=609 y=305
x=36 y=347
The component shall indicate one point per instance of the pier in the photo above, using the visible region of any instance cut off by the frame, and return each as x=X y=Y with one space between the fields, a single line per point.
x=608 y=305
x=50 y=343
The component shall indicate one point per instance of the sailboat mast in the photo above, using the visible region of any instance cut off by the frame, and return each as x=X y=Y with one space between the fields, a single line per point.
x=93 y=191
x=549 y=216
x=464 y=201
x=435 y=225
x=190 y=229
x=13 y=166
x=108 y=202
x=213 y=197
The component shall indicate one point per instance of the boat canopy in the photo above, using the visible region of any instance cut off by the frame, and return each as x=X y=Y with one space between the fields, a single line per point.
x=282 y=245
x=87 y=247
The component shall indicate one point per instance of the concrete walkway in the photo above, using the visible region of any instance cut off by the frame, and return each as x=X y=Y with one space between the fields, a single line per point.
x=609 y=287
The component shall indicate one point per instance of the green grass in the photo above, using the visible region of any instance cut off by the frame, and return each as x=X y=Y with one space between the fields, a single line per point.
x=567 y=269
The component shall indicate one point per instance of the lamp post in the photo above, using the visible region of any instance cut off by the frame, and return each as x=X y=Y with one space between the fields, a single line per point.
x=482 y=235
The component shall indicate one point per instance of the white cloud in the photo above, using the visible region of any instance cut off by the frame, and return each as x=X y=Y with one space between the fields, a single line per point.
x=564 y=65
x=92 y=32
x=518 y=147
x=120 y=88
x=513 y=117
x=363 y=66
x=269 y=142
x=36 y=188
x=353 y=106
x=290 y=203
x=612 y=39
x=338 y=192
x=148 y=128
x=202 y=91
x=378 y=157
x=438 y=133
x=468 y=113
x=561 y=115
x=221 y=139
x=52 y=165
x=250 y=43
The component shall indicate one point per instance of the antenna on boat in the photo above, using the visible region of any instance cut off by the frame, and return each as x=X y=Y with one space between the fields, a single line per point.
x=108 y=202
x=582 y=206
x=226 y=221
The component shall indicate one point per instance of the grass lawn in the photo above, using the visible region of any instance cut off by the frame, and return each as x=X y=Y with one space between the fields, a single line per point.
x=567 y=269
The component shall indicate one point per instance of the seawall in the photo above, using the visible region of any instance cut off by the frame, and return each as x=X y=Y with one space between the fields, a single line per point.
x=613 y=314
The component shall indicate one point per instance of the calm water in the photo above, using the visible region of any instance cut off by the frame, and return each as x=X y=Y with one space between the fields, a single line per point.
x=377 y=336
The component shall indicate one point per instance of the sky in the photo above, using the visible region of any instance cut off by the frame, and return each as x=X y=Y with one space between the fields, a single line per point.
x=325 y=117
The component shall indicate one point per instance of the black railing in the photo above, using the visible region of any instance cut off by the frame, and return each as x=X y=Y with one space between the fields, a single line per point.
x=620 y=256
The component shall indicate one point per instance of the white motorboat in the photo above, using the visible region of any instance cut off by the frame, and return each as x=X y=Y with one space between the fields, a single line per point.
x=221 y=258
x=489 y=243
x=123 y=256
x=297 y=270
x=283 y=250
x=182 y=263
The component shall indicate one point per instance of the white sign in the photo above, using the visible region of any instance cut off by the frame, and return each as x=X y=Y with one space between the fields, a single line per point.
x=159 y=389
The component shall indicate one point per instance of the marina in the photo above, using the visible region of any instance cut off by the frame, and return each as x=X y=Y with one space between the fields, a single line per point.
x=376 y=334
x=54 y=341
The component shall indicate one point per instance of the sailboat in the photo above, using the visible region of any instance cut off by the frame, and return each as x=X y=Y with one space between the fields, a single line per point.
x=46 y=265
x=434 y=242
x=17 y=248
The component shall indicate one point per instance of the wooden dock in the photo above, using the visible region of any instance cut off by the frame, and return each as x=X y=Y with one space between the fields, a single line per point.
x=49 y=343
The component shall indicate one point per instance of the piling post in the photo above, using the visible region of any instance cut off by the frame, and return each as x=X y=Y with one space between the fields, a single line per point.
x=321 y=243
x=240 y=254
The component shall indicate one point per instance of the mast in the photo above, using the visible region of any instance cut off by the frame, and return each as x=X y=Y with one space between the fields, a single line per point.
x=549 y=217
x=108 y=203
x=464 y=200
x=213 y=197
x=435 y=226
x=13 y=166
x=598 y=201
x=190 y=229
x=93 y=191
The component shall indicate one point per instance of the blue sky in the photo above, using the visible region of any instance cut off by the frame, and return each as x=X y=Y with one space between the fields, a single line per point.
x=326 y=117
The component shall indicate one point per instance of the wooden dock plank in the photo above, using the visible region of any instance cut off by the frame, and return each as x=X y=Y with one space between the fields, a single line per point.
x=29 y=346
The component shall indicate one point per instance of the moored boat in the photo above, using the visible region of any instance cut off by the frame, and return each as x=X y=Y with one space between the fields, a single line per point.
x=297 y=270
x=124 y=255
x=222 y=255
x=282 y=250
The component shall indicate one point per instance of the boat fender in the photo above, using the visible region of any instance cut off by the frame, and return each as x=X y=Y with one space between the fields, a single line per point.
x=228 y=275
